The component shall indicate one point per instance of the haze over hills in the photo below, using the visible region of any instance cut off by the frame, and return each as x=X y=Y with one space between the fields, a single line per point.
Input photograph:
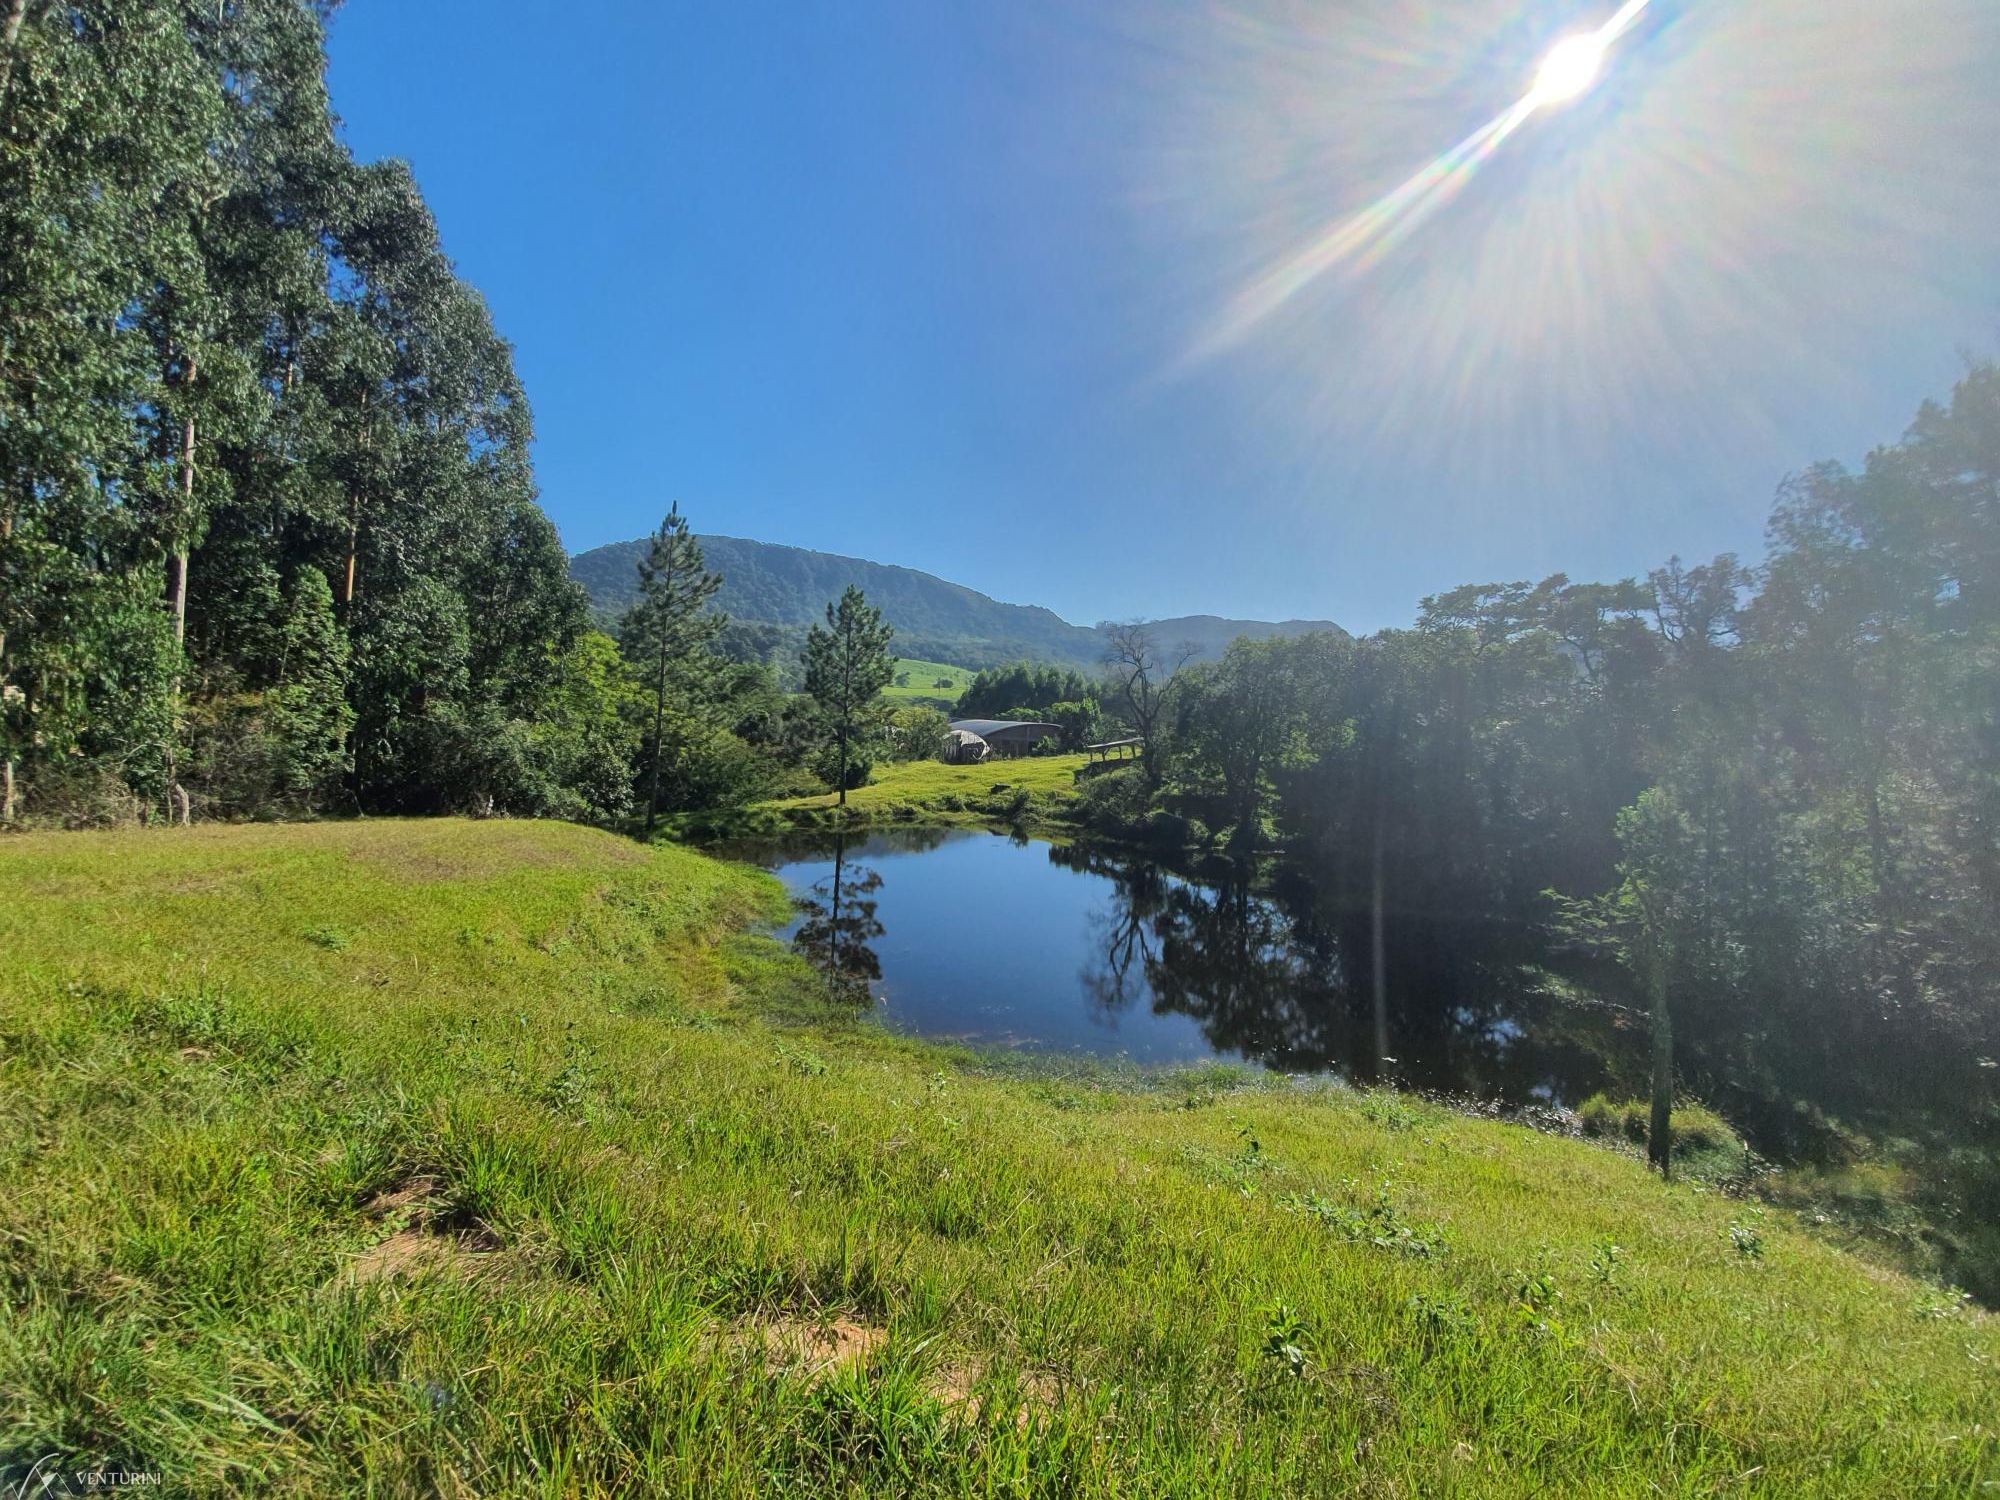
x=772 y=593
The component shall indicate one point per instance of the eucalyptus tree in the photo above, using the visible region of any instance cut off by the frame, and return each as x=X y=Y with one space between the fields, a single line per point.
x=230 y=356
x=847 y=665
x=1643 y=920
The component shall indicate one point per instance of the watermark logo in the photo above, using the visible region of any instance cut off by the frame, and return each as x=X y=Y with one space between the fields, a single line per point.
x=51 y=1475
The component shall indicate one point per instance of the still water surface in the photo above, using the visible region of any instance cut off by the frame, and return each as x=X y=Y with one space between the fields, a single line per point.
x=999 y=941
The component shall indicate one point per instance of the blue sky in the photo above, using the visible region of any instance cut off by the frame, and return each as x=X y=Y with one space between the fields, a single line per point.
x=928 y=283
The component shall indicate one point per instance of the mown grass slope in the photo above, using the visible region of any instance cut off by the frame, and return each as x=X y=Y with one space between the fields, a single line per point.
x=1023 y=787
x=491 y=1158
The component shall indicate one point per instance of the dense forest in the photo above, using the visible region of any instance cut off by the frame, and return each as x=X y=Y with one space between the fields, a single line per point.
x=271 y=538
x=772 y=593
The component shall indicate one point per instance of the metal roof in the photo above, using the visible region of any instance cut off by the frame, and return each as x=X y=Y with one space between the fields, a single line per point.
x=987 y=728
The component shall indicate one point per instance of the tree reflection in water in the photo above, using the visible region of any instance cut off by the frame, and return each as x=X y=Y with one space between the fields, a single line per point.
x=1268 y=972
x=838 y=925
x=1124 y=952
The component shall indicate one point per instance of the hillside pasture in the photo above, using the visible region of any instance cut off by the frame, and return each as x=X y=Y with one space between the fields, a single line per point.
x=495 y=1158
x=924 y=677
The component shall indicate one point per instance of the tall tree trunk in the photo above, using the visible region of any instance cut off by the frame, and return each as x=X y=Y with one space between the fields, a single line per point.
x=177 y=797
x=1659 y=1130
x=659 y=730
x=354 y=507
x=6 y=533
x=181 y=542
x=1378 y=952
x=10 y=38
x=847 y=649
x=1888 y=893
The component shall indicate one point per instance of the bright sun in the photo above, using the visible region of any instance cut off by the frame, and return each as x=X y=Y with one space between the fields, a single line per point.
x=1570 y=68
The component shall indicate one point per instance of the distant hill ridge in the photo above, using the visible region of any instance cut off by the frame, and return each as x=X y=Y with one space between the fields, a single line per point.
x=772 y=592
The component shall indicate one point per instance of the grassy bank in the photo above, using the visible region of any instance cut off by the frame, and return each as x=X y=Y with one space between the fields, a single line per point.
x=491 y=1158
x=1030 y=791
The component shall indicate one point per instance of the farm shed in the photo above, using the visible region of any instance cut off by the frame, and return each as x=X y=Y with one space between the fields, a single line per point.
x=961 y=747
x=1007 y=736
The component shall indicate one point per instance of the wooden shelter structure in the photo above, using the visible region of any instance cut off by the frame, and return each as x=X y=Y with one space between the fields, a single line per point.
x=1118 y=749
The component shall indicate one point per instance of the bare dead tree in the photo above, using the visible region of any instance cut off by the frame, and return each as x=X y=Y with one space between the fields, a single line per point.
x=1141 y=675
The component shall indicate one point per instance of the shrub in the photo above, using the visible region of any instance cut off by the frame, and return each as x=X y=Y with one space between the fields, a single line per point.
x=1697 y=1131
x=1598 y=1116
x=1113 y=800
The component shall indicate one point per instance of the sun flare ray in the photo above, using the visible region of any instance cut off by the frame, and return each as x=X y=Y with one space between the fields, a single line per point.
x=1359 y=240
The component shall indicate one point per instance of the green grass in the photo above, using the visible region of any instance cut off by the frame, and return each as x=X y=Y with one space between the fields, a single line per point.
x=491 y=1158
x=1026 y=789
x=924 y=677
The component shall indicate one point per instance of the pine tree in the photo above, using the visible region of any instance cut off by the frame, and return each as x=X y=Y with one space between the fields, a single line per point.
x=668 y=633
x=310 y=717
x=847 y=666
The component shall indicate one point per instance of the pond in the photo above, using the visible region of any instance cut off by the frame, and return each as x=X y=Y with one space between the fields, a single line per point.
x=1002 y=941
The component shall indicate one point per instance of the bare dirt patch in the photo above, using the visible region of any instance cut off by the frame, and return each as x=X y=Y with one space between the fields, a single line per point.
x=415 y=1195
x=405 y=1254
x=815 y=1349
x=426 y=1237
x=953 y=1387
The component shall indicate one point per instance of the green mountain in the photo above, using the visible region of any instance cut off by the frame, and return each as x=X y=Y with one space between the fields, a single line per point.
x=772 y=593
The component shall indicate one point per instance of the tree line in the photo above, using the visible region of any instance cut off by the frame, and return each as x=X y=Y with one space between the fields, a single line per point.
x=269 y=538
x=1770 y=791
x=269 y=534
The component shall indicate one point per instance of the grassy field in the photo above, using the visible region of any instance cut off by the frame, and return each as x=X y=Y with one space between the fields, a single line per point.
x=491 y=1158
x=924 y=678
x=1027 y=788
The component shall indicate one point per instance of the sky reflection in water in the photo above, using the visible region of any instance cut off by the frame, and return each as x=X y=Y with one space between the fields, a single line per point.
x=972 y=935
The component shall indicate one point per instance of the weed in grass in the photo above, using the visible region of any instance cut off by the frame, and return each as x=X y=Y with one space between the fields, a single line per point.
x=1390 y=1110
x=1376 y=1222
x=1285 y=1338
x=801 y=1060
x=1747 y=1239
x=1535 y=1297
x=1604 y=1257
x=1442 y=1316
x=330 y=938
x=1240 y=1169
x=572 y=1088
x=1949 y=1303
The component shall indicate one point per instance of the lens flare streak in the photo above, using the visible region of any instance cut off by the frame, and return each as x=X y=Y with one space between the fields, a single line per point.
x=1360 y=240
